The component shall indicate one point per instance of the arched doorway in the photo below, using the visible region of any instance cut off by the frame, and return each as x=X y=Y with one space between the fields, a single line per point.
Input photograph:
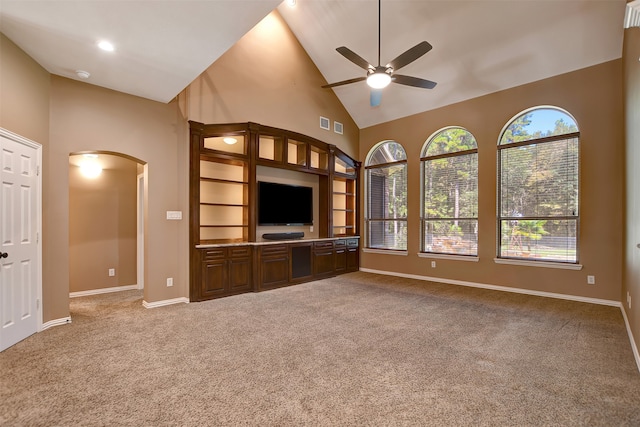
x=106 y=222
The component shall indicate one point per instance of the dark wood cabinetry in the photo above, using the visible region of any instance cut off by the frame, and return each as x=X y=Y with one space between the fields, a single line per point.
x=226 y=258
x=323 y=259
x=223 y=271
x=273 y=266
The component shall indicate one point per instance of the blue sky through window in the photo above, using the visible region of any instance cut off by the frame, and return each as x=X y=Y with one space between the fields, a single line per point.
x=544 y=120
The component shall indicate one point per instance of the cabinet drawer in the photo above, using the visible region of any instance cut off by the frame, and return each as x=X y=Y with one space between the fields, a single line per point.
x=323 y=245
x=240 y=252
x=352 y=242
x=339 y=243
x=274 y=250
x=213 y=254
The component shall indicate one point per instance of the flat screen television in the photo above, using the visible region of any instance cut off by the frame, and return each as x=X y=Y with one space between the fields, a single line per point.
x=284 y=204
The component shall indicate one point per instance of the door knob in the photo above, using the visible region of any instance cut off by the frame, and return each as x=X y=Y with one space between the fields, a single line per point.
x=3 y=254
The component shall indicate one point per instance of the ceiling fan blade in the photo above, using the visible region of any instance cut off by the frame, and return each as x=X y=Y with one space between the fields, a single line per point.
x=345 y=82
x=353 y=57
x=410 y=55
x=375 y=97
x=413 y=81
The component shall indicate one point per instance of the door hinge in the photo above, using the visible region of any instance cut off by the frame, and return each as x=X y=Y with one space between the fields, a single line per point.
x=37 y=237
x=38 y=304
x=38 y=170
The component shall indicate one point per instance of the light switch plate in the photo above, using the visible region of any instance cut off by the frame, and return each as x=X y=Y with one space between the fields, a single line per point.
x=174 y=215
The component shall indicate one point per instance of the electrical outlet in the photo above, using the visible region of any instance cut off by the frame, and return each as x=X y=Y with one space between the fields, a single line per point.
x=433 y=264
x=169 y=281
x=591 y=280
x=629 y=300
x=311 y=229
x=112 y=272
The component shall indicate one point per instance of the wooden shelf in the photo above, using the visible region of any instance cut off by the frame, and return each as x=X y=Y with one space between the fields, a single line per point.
x=223 y=191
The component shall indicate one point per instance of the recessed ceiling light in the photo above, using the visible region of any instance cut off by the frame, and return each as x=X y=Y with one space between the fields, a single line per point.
x=230 y=141
x=291 y=3
x=105 y=45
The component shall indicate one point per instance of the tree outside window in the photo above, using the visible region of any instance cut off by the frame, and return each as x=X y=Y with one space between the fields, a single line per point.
x=538 y=159
x=450 y=193
x=386 y=197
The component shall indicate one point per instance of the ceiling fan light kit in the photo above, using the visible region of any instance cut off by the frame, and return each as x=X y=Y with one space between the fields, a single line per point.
x=381 y=76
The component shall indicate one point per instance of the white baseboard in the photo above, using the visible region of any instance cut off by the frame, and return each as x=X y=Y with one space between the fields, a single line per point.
x=497 y=288
x=102 y=291
x=634 y=347
x=56 y=322
x=165 y=302
x=611 y=303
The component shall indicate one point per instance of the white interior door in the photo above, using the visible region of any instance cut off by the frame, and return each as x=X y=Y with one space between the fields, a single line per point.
x=20 y=271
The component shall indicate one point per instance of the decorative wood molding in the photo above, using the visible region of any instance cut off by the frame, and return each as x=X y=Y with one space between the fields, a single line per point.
x=634 y=348
x=498 y=288
x=56 y=322
x=632 y=14
x=165 y=302
x=102 y=291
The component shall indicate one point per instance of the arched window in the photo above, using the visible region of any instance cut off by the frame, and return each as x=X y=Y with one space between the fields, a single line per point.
x=386 y=197
x=538 y=187
x=449 y=162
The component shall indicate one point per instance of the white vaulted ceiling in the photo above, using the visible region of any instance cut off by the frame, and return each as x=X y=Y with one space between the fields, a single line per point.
x=479 y=46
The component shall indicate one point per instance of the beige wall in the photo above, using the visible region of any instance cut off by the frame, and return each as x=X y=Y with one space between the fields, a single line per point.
x=594 y=97
x=267 y=78
x=631 y=285
x=102 y=226
x=89 y=118
x=24 y=110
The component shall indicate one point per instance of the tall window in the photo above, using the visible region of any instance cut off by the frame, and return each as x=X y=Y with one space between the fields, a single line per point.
x=386 y=197
x=538 y=187
x=450 y=193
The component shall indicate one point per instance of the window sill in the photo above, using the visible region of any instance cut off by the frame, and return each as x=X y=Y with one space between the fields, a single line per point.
x=544 y=264
x=385 y=251
x=449 y=256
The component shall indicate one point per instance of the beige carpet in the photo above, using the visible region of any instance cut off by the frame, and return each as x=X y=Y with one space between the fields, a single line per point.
x=359 y=349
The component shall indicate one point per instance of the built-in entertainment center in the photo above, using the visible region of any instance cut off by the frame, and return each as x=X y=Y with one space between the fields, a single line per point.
x=268 y=208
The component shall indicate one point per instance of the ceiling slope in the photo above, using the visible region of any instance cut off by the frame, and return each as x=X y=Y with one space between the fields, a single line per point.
x=161 y=46
x=479 y=46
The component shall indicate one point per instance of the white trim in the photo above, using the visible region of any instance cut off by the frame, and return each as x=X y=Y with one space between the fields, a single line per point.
x=140 y=230
x=56 y=322
x=498 y=288
x=38 y=147
x=632 y=14
x=544 y=264
x=634 y=347
x=448 y=256
x=385 y=251
x=165 y=302
x=102 y=291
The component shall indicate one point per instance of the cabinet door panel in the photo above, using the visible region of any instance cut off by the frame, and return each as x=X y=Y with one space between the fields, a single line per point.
x=274 y=271
x=323 y=263
x=341 y=260
x=353 y=263
x=213 y=278
x=240 y=274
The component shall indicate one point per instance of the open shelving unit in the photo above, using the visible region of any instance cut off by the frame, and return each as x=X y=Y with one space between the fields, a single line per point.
x=226 y=256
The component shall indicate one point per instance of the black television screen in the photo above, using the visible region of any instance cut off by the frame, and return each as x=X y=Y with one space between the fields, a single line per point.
x=284 y=204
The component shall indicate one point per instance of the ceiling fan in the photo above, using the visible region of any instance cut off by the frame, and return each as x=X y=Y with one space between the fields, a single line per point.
x=379 y=77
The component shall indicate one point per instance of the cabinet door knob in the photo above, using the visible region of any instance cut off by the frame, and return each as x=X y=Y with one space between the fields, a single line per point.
x=3 y=254
x=638 y=246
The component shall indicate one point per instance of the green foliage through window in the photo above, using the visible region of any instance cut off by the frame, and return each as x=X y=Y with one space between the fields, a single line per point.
x=386 y=197
x=538 y=187
x=450 y=193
